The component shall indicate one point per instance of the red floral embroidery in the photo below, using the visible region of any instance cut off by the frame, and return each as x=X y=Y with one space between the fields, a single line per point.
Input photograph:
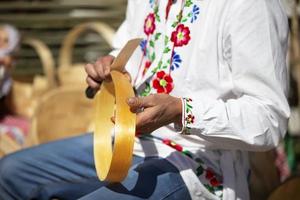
x=209 y=174
x=147 y=65
x=181 y=36
x=190 y=119
x=149 y=25
x=189 y=100
x=163 y=83
x=214 y=182
x=173 y=144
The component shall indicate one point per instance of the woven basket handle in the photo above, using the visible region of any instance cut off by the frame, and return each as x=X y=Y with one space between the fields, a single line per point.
x=46 y=58
x=65 y=56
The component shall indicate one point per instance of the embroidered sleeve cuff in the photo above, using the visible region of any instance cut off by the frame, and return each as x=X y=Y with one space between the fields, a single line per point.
x=188 y=117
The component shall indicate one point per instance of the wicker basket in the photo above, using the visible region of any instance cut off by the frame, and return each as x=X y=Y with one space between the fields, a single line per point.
x=24 y=96
x=62 y=112
x=74 y=74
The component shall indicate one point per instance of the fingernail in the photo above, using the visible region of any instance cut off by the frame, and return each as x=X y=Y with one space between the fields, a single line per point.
x=131 y=101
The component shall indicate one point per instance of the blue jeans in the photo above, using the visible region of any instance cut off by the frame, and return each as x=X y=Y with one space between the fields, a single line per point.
x=65 y=170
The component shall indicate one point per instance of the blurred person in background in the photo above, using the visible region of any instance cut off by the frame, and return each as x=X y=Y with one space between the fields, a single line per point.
x=15 y=126
x=212 y=81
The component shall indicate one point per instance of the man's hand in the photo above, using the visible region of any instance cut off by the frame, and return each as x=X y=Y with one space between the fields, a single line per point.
x=157 y=110
x=100 y=71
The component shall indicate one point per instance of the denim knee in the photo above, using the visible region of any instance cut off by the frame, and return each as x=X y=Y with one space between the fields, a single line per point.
x=10 y=177
x=8 y=168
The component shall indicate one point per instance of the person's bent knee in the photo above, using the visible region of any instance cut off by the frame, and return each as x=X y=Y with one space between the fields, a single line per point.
x=10 y=177
x=9 y=169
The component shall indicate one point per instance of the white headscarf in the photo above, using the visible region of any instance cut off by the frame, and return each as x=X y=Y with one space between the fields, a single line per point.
x=13 y=43
x=13 y=40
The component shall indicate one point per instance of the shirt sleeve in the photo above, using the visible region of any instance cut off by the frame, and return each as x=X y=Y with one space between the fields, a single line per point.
x=256 y=118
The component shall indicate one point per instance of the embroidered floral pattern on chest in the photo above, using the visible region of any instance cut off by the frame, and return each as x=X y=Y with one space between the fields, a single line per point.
x=161 y=80
x=163 y=83
x=170 y=60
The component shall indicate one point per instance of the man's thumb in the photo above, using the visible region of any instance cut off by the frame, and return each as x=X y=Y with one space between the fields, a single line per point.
x=136 y=103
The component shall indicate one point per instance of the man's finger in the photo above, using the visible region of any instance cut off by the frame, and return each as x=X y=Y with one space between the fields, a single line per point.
x=144 y=121
x=106 y=71
x=106 y=62
x=140 y=120
x=137 y=103
x=92 y=83
x=141 y=124
x=90 y=70
x=99 y=69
